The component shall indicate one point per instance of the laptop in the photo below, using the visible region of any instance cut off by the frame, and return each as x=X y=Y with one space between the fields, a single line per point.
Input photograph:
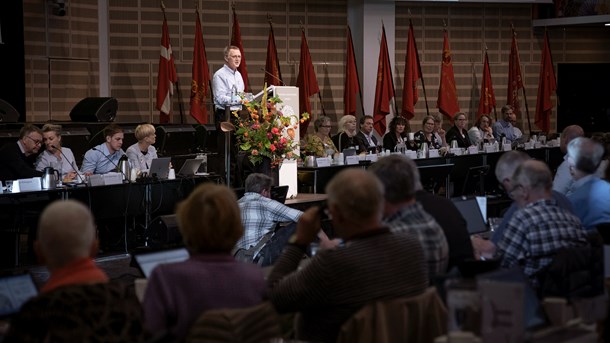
x=190 y=167
x=472 y=212
x=148 y=260
x=159 y=167
x=15 y=290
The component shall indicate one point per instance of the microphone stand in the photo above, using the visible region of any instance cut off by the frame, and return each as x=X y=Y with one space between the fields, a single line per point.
x=71 y=163
x=273 y=76
x=114 y=164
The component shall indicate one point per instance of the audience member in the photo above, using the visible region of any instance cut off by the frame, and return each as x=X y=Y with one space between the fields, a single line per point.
x=481 y=131
x=178 y=293
x=347 y=136
x=503 y=127
x=459 y=132
x=399 y=176
x=427 y=134
x=105 y=157
x=143 y=152
x=451 y=221
x=55 y=155
x=505 y=168
x=540 y=227
x=373 y=264
x=366 y=133
x=260 y=214
x=590 y=195
x=17 y=159
x=396 y=138
x=563 y=180
x=516 y=130
x=320 y=143
x=604 y=139
x=77 y=304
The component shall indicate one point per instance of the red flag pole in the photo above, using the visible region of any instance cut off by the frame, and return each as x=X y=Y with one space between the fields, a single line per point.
x=423 y=86
x=527 y=110
x=236 y=41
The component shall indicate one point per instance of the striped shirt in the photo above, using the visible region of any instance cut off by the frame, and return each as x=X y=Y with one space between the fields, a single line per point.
x=259 y=215
x=539 y=229
x=414 y=220
x=338 y=282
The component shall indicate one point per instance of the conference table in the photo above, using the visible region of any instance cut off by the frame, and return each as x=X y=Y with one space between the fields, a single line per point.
x=123 y=212
x=459 y=175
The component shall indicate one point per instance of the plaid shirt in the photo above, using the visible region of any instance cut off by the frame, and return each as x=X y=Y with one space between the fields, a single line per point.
x=539 y=229
x=259 y=215
x=415 y=220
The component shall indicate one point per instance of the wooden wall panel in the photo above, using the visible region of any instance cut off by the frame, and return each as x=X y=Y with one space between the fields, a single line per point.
x=135 y=35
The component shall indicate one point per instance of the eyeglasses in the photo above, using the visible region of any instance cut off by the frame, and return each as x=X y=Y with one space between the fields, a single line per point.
x=36 y=141
x=430 y=123
x=325 y=126
x=462 y=119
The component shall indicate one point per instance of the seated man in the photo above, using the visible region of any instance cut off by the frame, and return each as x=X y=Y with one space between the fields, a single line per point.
x=503 y=127
x=260 y=214
x=539 y=228
x=373 y=264
x=563 y=180
x=105 y=157
x=505 y=168
x=590 y=195
x=402 y=213
x=366 y=133
x=17 y=159
x=77 y=304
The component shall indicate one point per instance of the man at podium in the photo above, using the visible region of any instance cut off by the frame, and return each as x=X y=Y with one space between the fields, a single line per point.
x=227 y=84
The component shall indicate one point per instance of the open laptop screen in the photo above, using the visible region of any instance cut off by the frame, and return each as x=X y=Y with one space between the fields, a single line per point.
x=147 y=261
x=470 y=210
x=15 y=290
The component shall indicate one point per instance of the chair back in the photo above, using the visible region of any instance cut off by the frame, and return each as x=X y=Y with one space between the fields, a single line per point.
x=254 y=324
x=421 y=318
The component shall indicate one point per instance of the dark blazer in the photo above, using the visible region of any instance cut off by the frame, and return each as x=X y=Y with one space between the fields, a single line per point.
x=454 y=133
x=452 y=223
x=362 y=137
x=343 y=141
x=15 y=165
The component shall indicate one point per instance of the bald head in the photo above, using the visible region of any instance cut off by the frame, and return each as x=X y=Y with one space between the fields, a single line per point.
x=534 y=175
x=585 y=154
x=568 y=134
x=508 y=163
x=66 y=232
x=357 y=194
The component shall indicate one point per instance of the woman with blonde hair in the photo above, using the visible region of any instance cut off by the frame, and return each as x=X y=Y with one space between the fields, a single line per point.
x=178 y=293
x=54 y=155
x=347 y=136
x=142 y=153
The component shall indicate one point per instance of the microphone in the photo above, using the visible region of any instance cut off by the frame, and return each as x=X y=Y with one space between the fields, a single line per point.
x=114 y=164
x=273 y=76
x=71 y=163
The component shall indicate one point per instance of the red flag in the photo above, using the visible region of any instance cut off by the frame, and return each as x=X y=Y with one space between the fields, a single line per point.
x=412 y=74
x=384 y=89
x=167 y=76
x=306 y=81
x=272 y=66
x=201 y=77
x=546 y=86
x=352 y=86
x=236 y=41
x=515 y=80
x=447 y=102
x=487 y=102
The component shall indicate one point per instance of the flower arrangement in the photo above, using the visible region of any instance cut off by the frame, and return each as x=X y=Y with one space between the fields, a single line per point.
x=268 y=130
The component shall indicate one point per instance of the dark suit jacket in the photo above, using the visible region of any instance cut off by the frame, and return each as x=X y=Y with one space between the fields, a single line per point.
x=452 y=223
x=343 y=141
x=15 y=165
x=365 y=141
x=453 y=133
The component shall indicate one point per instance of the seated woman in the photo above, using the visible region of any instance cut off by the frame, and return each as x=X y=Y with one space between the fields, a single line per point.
x=426 y=134
x=347 y=136
x=178 y=293
x=142 y=153
x=396 y=138
x=458 y=131
x=55 y=155
x=319 y=143
x=482 y=131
